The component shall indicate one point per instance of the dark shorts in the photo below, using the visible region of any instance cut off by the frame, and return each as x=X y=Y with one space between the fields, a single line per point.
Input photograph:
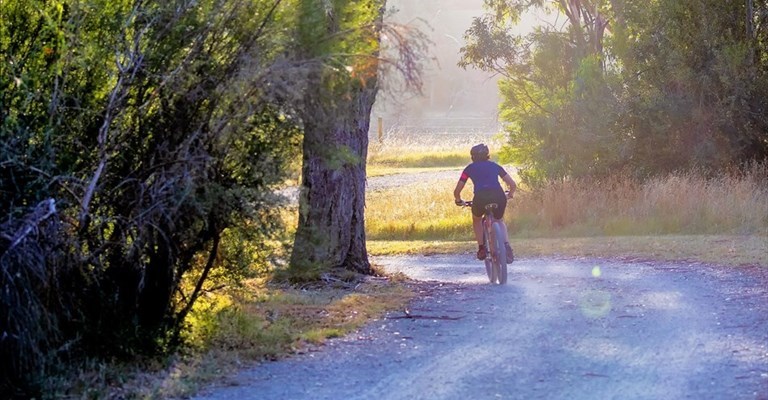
x=487 y=197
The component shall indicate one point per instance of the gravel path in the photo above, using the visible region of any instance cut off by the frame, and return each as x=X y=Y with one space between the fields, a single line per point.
x=390 y=181
x=383 y=182
x=561 y=329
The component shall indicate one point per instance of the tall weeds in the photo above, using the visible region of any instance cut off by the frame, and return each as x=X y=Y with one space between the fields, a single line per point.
x=685 y=202
x=680 y=203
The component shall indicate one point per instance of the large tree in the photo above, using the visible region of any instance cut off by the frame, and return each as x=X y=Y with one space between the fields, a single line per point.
x=648 y=87
x=343 y=37
x=695 y=77
x=554 y=82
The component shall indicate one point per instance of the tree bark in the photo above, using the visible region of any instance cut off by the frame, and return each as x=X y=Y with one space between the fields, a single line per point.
x=336 y=117
x=331 y=230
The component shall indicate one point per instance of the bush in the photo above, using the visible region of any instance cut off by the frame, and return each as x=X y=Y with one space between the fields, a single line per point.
x=159 y=147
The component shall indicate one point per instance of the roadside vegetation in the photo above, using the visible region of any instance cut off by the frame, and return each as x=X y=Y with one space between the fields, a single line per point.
x=141 y=145
x=230 y=330
x=401 y=152
x=693 y=215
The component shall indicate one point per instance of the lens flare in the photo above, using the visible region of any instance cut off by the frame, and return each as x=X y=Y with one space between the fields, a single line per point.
x=595 y=303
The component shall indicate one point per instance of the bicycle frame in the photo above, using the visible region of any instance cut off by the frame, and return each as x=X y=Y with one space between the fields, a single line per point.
x=496 y=258
x=496 y=261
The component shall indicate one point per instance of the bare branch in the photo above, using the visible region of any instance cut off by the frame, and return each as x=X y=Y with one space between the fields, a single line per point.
x=44 y=209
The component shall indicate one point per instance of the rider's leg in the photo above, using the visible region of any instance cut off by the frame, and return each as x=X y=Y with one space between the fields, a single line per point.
x=477 y=226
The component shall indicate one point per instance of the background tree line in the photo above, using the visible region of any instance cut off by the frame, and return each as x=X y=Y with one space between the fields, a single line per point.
x=141 y=144
x=645 y=87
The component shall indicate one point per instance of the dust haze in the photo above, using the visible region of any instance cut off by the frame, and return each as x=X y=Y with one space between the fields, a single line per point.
x=453 y=100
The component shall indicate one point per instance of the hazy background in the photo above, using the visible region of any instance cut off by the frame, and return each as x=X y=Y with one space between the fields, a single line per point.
x=454 y=100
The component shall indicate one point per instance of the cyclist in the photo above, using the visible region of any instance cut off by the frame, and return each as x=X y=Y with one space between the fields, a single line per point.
x=485 y=176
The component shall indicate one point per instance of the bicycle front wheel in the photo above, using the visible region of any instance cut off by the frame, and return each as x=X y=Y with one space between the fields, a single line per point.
x=500 y=255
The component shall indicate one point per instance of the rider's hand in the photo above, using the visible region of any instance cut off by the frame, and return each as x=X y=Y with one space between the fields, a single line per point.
x=459 y=202
x=510 y=195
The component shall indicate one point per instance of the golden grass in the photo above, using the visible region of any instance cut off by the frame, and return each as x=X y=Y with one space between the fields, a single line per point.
x=416 y=212
x=684 y=203
x=426 y=151
x=681 y=203
x=426 y=159
x=734 y=250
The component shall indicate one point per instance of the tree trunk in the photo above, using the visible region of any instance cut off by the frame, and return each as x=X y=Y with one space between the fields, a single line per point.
x=331 y=230
x=335 y=113
x=749 y=27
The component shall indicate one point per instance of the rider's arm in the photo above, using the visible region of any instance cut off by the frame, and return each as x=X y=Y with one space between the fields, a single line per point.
x=457 y=191
x=511 y=183
x=460 y=186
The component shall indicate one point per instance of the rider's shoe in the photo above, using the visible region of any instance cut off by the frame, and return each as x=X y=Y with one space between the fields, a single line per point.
x=510 y=253
x=481 y=253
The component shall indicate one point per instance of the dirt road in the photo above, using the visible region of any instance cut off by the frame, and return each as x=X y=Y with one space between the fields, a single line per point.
x=560 y=329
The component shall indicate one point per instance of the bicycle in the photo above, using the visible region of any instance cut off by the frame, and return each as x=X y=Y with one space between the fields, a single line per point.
x=493 y=238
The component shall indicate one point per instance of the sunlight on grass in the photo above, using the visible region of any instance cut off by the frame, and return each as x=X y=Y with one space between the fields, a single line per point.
x=683 y=203
x=269 y=323
x=428 y=213
x=230 y=329
x=428 y=159
x=682 y=216
x=716 y=249
x=427 y=151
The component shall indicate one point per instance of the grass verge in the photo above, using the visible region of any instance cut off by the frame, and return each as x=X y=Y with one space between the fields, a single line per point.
x=399 y=154
x=678 y=204
x=732 y=250
x=230 y=331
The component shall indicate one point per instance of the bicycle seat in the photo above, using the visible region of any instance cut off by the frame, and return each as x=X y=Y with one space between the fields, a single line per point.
x=491 y=206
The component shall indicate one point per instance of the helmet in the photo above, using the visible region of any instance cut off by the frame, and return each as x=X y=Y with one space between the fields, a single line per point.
x=479 y=152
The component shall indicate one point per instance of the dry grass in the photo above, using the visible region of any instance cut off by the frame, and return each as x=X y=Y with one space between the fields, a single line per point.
x=683 y=216
x=731 y=250
x=228 y=332
x=397 y=154
x=416 y=212
x=682 y=203
x=685 y=203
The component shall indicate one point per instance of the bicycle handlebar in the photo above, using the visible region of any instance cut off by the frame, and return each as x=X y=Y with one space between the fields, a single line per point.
x=469 y=203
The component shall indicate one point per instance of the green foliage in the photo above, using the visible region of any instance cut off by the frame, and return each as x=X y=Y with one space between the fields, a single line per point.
x=669 y=85
x=341 y=37
x=158 y=130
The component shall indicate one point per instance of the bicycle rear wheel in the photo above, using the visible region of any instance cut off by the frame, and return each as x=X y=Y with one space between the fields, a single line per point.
x=499 y=255
x=489 y=258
